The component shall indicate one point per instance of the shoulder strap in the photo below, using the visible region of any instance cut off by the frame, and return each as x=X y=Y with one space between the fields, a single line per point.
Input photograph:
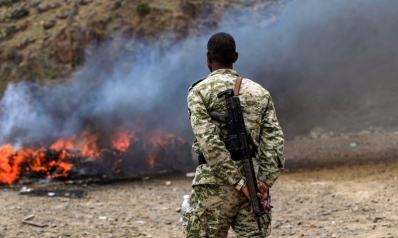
x=194 y=84
x=237 y=86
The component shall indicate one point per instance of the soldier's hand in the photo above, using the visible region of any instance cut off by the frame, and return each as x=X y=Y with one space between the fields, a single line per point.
x=245 y=191
x=263 y=191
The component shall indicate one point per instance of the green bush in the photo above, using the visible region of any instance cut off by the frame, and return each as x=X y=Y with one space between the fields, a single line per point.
x=7 y=2
x=143 y=9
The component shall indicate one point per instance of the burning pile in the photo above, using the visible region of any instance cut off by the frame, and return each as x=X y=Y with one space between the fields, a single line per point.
x=121 y=154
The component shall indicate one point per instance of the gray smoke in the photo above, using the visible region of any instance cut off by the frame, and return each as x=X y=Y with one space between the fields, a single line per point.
x=326 y=63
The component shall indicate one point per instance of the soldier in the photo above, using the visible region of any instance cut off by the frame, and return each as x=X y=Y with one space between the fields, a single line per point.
x=220 y=196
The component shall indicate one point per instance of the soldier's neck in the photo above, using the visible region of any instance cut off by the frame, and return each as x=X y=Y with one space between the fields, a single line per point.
x=216 y=66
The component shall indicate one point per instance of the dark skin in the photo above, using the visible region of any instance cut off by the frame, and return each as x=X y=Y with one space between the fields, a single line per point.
x=214 y=65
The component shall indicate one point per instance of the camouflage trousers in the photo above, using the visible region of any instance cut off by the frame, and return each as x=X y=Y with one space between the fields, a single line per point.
x=216 y=209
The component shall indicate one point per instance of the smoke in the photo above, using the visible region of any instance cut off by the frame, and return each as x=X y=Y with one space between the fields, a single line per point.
x=326 y=63
x=104 y=96
x=329 y=64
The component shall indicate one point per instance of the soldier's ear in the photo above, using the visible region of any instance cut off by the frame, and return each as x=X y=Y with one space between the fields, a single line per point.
x=209 y=58
x=236 y=56
x=209 y=61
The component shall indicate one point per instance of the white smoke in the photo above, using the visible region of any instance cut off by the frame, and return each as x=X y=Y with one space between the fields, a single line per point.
x=317 y=58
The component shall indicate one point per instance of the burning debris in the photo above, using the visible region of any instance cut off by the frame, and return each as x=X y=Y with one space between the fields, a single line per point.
x=128 y=153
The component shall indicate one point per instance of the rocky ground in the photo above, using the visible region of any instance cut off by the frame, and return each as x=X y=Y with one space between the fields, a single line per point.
x=47 y=40
x=349 y=192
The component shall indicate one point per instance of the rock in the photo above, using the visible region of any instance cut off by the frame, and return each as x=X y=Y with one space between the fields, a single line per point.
x=9 y=30
x=54 y=5
x=42 y=7
x=7 y=2
x=83 y=2
x=47 y=35
x=168 y=222
x=316 y=132
x=49 y=24
x=286 y=226
x=190 y=174
x=45 y=7
x=35 y=3
x=324 y=213
x=69 y=44
x=24 y=25
x=19 y=12
x=66 y=14
x=26 y=41
x=117 y=5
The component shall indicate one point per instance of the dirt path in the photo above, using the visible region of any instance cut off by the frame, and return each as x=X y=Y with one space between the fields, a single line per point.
x=355 y=201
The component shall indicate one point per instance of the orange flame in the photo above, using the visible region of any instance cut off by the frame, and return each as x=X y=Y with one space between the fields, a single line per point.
x=9 y=167
x=121 y=140
x=52 y=162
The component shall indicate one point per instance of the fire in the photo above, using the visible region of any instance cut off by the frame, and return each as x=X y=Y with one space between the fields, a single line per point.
x=159 y=142
x=121 y=141
x=9 y=172
x=57 y=159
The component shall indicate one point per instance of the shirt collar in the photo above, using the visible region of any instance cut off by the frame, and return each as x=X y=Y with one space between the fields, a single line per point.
x=224 y=71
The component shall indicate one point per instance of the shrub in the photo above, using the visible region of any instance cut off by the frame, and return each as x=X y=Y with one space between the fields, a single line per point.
x=143 y=9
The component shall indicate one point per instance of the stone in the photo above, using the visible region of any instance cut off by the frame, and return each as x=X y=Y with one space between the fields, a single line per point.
x=117 y=5
x=19 y=12
x=9 y=30
x=83 y=2
x=66 y=14
x=316 y=132
x=42 y=7
x=49 y=24
x=45 y=7
x=26 y=41
x=35 y=3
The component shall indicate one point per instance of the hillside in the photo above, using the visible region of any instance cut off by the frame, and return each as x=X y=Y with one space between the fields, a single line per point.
x=46 y=40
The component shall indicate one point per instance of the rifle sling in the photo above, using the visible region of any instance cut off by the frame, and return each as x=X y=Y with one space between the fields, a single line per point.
x=237 y=86
x=234 y=155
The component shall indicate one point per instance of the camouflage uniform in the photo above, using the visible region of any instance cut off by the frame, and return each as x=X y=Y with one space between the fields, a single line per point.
x=217 y=204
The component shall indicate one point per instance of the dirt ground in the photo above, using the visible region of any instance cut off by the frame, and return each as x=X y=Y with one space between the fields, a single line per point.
x=350 y=191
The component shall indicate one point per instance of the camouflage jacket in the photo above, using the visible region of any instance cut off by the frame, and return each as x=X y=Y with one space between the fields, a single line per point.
x=261 y=125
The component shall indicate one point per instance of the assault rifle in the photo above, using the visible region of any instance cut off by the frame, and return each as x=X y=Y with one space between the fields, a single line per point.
x=236 y=143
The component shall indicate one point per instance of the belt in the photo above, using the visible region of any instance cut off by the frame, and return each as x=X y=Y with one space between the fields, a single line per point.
x=234 y=156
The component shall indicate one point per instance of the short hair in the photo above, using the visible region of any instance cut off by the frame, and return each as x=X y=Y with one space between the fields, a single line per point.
x=222 y=47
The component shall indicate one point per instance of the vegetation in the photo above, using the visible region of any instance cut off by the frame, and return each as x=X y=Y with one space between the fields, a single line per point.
x=143 y=9
x=31 y=49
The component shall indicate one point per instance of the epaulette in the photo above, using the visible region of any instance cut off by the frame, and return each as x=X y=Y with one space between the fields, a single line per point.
x=194 y=84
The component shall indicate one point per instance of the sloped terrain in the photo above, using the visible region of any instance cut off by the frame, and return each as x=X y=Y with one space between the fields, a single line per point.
x=46 y=40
